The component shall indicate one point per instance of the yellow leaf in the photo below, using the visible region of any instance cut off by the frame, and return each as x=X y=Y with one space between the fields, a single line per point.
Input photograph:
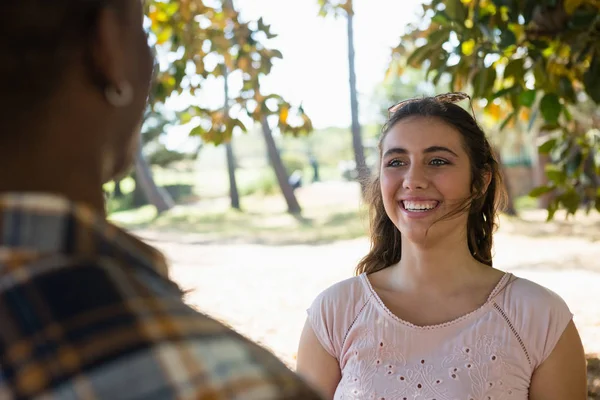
x=468 y=47
x=572 y=5
x=164 y=35
x=283 y=115
x=504 y=13
x=161 y=16
x=153 y=16
x=524 y=114
x=244 y=64
x=494 y=111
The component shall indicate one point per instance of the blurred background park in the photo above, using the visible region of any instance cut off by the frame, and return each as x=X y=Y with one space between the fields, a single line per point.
x=265 y=116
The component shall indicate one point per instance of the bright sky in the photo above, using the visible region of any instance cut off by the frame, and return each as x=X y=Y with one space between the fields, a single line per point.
x=314 y=69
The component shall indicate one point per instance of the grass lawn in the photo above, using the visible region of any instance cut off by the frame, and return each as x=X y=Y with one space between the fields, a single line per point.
x=331 y=212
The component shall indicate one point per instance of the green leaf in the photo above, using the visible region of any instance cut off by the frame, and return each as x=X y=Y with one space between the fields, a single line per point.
x=172 y=8
x=527 y=98
x=571 y=5
x=438 y=62
x=437 y=38
x=185 y=117
x=504 y=92
x=556 y=174
x=547 y=146
x=456 y=10
x=574 y=164
x=197 y=131
x=570 y=200
x=541 y=190
x=550 y=127
x=441 y=18
x=507 y=39
x=418 y=56
x=566 y=89
x=528 y=9
x=552 y=208
x=582 y=18
x=515 y=68
x=539 y=73
x=591 y=79
x=483 y=82
x=550 y=107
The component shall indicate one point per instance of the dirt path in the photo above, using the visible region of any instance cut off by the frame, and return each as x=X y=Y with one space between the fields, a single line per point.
x=263 y=291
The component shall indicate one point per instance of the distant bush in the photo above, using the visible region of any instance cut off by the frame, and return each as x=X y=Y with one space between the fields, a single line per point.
x=294 y=162
x=266 y=184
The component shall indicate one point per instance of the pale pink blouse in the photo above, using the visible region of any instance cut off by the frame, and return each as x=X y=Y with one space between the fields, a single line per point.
x=488 y=354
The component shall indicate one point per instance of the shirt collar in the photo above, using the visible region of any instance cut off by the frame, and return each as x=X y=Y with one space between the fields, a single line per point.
x=35 y=224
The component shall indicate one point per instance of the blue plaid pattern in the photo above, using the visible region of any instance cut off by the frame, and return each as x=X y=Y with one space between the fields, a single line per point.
x=87 y=311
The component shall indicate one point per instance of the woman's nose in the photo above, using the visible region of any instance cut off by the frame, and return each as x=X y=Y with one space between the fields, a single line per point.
x=415 y=178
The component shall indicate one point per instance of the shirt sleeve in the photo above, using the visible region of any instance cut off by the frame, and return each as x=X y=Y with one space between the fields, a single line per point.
x=99 y=329
x=558 y=316
x=333 y=311
x=539 y=315
x=321 y=319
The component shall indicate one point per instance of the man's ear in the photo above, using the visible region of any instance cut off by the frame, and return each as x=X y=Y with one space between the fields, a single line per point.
x=108 y=50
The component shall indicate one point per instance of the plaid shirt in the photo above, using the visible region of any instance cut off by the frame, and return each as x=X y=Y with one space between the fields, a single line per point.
x=88 y=312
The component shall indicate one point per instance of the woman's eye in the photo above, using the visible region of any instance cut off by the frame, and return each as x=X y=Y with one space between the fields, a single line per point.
x=395 y=163
x=438 y=162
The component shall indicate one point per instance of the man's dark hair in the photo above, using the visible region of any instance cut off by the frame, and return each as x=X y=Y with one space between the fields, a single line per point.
x=38 y=40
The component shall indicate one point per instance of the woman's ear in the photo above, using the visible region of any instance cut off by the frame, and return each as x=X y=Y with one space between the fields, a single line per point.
x=487 y=179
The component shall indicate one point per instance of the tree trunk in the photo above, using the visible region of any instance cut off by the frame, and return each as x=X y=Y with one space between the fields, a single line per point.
x=510 y=199
x=233 y=189
x=359 y=153
x=280 y=172
x=118 y=192
x=234 y=193
x=539 y=175
x=158 y=197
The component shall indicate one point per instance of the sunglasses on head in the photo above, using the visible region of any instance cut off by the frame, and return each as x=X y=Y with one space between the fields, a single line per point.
x=452 y=97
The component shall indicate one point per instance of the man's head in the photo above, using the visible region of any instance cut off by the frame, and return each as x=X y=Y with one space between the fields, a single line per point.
x=76 y=79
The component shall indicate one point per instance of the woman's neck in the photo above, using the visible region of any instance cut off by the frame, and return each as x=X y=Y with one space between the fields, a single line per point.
x=445 y=266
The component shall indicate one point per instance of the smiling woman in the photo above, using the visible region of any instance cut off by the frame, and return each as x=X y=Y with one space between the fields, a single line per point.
x=426 y=153
x=428 y=317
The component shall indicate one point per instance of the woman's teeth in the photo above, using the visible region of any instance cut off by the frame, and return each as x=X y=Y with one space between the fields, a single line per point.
x=419 y=205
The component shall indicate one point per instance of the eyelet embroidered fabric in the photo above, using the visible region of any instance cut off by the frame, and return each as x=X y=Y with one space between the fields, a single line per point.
x=487 y=354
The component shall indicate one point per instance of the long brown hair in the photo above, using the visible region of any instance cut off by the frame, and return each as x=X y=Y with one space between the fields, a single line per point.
x=482 y=205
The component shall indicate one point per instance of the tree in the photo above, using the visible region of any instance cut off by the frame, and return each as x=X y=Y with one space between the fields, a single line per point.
x=337 y=8
x=532 y=61
x=234 y=193
x=202 y=35
x=151 y=152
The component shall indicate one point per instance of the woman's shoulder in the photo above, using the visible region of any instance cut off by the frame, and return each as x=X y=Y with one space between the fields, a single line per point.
x=332 y=312
x=538 y=315
x=347 y=291
x=524 y=292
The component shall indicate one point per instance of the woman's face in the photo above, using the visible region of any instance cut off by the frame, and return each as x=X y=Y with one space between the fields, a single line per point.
x=425 y=174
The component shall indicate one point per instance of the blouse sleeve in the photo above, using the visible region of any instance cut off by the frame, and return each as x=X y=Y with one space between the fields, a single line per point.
x=333 y=311
x=540 y=317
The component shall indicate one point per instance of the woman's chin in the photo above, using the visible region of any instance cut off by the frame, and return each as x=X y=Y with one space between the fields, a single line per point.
x=416 y=235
